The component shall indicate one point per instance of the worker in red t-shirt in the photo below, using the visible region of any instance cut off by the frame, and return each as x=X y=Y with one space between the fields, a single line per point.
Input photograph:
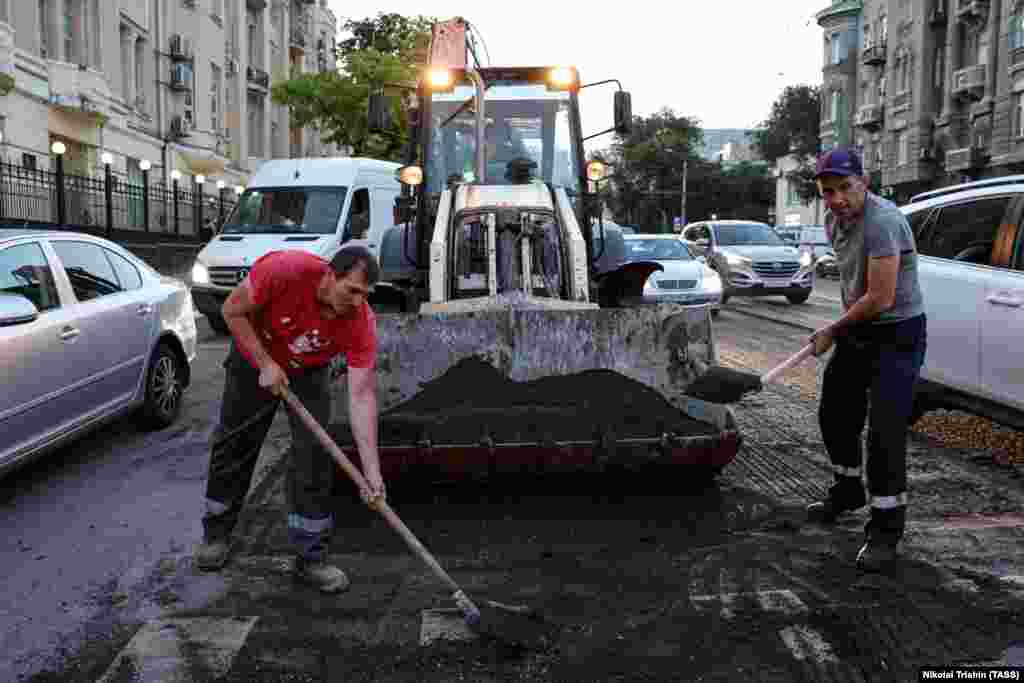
x=288 y=319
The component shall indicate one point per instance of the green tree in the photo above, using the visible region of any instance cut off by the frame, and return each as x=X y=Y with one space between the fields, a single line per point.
x=382 y=50
x=793 y=128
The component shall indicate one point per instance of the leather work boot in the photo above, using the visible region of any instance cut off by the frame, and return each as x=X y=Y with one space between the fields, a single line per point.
x=323 y=576
x=842 y=497
x=212 y=554
x=876 y=556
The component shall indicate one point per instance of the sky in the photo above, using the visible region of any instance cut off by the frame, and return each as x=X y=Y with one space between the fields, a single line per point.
x=723 y=62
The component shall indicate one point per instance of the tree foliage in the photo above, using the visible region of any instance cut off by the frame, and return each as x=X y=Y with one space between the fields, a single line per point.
x=792 y=128
x=382 y=50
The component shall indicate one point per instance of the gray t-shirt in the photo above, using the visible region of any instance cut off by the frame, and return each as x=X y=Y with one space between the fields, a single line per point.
x=881 y=230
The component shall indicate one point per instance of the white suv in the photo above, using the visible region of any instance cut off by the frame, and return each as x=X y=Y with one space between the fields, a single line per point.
x=971 y=270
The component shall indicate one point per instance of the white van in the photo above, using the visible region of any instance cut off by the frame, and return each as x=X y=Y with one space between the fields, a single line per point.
x=312 y=204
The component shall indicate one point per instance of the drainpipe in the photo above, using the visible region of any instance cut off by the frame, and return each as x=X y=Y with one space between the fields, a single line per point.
x=158 y=37
x=994 y=19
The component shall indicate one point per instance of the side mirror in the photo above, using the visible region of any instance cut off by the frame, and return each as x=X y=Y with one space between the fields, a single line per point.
x=623 y=113
x=379 y=114
x=703 y=242
x=16 y=310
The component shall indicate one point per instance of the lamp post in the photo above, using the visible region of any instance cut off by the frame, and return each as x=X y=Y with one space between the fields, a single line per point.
x=221 y=185
x=108 y=189
x=197 y=204
x=145 y=165
x=175 y=177
x=59 y=148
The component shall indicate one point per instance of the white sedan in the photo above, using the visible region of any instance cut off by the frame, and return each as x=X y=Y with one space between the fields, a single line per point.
x=88 y=332
x=684 y=279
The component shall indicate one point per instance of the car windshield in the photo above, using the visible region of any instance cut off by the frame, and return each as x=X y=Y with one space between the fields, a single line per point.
x=657 y=250
x=747 y=234
x=287 y=211
x=524 y=121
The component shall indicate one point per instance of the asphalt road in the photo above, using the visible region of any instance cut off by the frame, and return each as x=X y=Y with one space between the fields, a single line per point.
x=647 y=579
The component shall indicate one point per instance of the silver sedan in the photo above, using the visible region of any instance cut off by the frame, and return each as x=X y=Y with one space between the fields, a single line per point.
x=88 y=332
x=683 y=279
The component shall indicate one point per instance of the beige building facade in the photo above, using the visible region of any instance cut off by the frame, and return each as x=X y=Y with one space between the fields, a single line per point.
x=932 y=91
x=181 y=84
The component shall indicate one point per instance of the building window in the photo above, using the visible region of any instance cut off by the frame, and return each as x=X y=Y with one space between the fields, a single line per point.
x=126 y=54
x=792 y=198
x=883 y=29
x=879 y=155
x=253 y=27
x=28 y=161
x=834 y=113
x=68 y=33
x=837 y=48
x=215 y=89
x=140 y=69
x=217 y=9
x=1018 y=113
x=902 y=148
x=1016 y=34
x=881 y=89
x=43 y=17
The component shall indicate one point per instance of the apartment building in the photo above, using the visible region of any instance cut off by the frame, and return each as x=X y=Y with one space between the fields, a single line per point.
x=181 y=84
x=932 y=91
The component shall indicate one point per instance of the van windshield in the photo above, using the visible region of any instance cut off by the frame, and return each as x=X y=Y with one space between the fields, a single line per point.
x=290 y=210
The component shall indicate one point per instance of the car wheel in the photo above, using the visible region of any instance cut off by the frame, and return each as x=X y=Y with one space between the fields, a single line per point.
x=164 y=387
x=218 y=324
x=798 y=298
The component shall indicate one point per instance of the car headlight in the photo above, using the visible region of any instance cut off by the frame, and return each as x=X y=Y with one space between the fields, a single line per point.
x=806 y=259
x=712 y=282
x=200 y=274
x=650 y=286
x=736 y=260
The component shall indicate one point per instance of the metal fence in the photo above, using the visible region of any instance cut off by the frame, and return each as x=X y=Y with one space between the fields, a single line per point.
x=111 y=204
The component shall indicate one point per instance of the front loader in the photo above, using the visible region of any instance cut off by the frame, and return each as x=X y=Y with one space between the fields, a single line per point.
x=498 y=355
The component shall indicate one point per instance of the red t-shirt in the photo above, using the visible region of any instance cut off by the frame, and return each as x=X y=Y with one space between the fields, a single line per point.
x=290 y=323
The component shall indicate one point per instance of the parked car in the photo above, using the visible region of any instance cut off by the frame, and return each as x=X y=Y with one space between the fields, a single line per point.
x=752 y=259
x=814 y=240
x=971 y=270
x=789 y=234
x=88 y=332
x=684 y=279
x=826 y=265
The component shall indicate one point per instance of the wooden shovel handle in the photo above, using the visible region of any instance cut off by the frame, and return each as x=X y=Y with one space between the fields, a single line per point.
x=795 y=359
x=380 y=506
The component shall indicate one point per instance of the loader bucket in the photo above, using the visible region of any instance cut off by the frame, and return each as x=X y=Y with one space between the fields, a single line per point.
x=570 y=387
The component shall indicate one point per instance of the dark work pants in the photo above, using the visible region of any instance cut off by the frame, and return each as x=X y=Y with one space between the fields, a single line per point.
x=247 y=411
x=871 y=376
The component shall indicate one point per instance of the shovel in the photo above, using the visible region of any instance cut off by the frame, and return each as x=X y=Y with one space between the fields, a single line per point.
x=514 y=625
x=725 y=385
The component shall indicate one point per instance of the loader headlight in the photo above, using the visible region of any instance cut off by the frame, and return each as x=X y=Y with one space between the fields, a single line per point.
x=440 y=80
x=561 y=78
x=200 y=274
x=410 y=175
x=596 y=170
x=806 y=259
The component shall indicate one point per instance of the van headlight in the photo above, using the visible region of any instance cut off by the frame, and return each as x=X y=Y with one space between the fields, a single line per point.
x=200 y=274
x=806 y=259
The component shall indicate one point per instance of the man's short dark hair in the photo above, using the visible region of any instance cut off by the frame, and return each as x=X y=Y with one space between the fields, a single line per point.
x=352 y=257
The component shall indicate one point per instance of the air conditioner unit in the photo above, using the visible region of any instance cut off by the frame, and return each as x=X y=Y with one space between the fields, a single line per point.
x=181 y=77
x=176 y=46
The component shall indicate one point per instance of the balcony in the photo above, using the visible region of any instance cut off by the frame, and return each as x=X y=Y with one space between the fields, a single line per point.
x=839 y=10
x=257 y=78
x=972 y=11
x=874 y=55
x=256 y=5
x=75 y=88
x=969 y=83
x=966 y=158
x=870 y=117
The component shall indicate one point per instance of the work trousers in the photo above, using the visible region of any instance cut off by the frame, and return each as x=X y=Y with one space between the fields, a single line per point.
x=247 y=412
x=872 y=375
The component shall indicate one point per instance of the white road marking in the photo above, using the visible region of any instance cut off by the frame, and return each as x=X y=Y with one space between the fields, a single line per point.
x=806 y=643
x=781 y=600
x=166 y=650
x=1014 y=579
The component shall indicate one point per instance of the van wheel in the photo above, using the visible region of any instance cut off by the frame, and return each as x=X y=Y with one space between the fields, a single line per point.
x=164 y=387
x=798 y=298
x=218 y=324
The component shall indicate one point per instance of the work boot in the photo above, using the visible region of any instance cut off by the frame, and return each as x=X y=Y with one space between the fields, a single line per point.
x=842 y=497
x=325 y=577
x=877 y=555
x=212 y=554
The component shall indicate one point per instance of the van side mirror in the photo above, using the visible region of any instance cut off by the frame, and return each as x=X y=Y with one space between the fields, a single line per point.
x=623 y=113
x=379 y=114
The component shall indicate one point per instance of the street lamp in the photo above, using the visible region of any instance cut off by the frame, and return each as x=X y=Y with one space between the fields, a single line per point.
x=144 y=166
x=59 y=148
x=197 y=204
x=220 y=202
x=175 y=177
x=239 y=189
x=108 y=189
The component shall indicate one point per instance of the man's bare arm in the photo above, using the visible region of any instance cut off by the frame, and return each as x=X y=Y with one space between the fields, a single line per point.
x=362 y=411
x=237 y=310
x=883 y=272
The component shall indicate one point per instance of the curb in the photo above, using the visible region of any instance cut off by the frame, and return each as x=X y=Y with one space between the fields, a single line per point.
x=789 y=322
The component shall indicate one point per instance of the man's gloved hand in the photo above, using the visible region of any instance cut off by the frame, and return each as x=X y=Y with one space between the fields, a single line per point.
x=375 y=492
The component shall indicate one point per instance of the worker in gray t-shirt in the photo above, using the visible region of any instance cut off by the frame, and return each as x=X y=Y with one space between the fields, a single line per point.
x=879 y=349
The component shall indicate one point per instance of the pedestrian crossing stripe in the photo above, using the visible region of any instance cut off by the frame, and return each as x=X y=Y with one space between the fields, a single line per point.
x=181 y=650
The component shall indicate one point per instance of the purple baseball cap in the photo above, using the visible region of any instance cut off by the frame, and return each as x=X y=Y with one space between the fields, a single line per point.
x=840 y=161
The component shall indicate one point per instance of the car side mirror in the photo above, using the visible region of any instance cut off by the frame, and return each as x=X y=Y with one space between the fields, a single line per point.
x=623 y=113
x=16 y=310
x=704 y=242
x=379 y=114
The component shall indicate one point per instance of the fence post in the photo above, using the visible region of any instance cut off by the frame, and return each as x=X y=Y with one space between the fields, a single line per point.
x=108 y=190
x=58 y=149
x=175 y=175
x=197 y=202
x=220 y=210
x=145 y=165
